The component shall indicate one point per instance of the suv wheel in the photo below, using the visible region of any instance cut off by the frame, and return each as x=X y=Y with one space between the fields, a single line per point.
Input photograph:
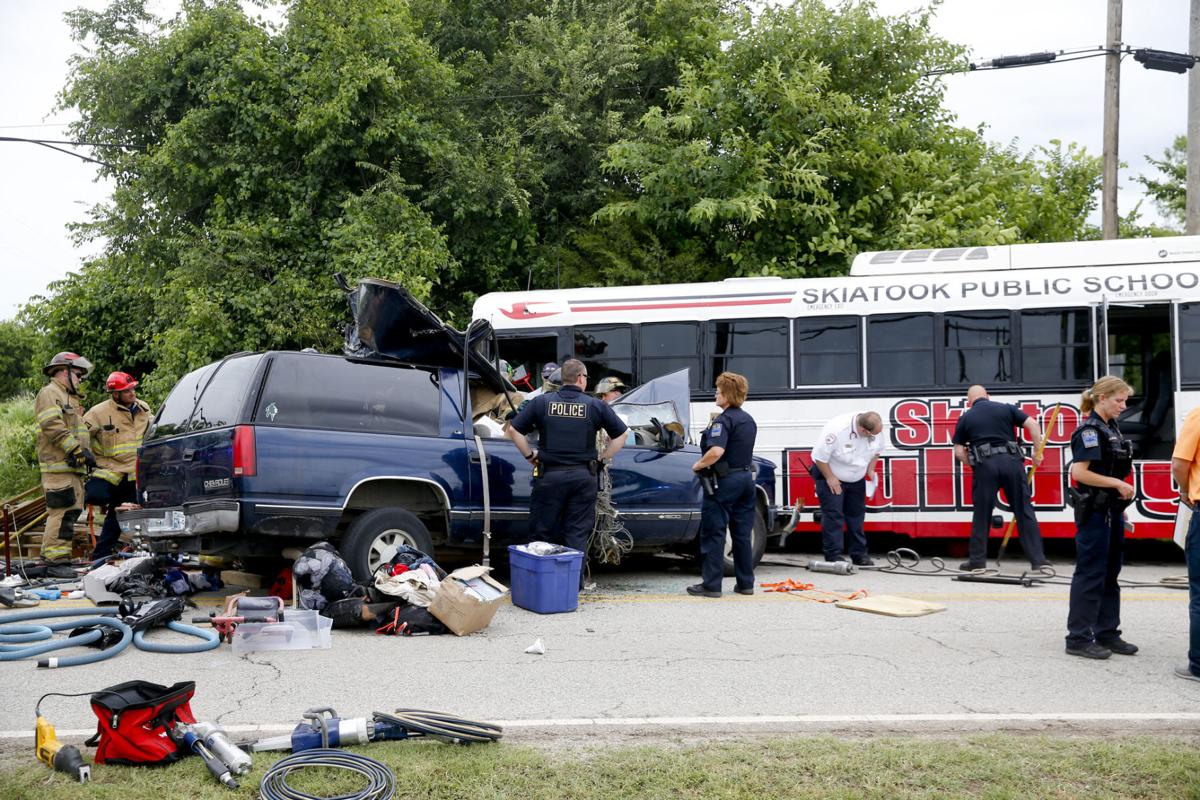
x=758 y=544
x=374 y=538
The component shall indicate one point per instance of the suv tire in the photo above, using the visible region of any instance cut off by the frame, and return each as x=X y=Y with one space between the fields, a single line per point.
x=372 y=539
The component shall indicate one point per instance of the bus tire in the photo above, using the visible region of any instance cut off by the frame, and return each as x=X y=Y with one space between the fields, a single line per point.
x=758 y=544
x=373 y=539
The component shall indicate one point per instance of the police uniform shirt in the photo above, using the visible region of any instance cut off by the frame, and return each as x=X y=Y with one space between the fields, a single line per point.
x=989 y=422
x=1088 y=443
x=567 y=422
x=846 y=451
x=735 y=430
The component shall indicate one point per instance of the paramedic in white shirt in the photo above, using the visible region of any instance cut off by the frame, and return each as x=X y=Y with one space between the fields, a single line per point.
x=843 y=458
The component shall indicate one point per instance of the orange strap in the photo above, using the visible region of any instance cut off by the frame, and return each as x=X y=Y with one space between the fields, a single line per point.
x=797 y=589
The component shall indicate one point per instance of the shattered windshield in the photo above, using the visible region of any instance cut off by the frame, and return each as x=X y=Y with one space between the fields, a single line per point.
x=637 y=415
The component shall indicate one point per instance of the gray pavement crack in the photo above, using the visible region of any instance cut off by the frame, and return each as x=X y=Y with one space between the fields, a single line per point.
x=252 y=691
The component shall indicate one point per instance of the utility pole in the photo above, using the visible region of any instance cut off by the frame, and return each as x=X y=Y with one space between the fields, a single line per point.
x=1112 y=102
x=1192 y=225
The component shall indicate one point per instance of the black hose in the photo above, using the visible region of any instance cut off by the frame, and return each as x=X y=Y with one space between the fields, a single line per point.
x=381 y=781
x=442 y=725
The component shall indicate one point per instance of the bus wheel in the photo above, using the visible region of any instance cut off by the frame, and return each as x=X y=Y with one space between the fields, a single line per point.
x=375 y=537
x=758 y=544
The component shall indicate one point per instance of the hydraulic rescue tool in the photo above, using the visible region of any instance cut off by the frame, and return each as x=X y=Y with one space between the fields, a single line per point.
x=186 y=738
x=238 y=609
x=321 y=731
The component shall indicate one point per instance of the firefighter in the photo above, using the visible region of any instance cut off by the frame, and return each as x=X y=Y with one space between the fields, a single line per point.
x=63 y=451
x=116 y=427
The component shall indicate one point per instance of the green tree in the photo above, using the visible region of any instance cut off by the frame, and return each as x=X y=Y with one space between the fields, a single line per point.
x=816 y=135
x=1169 y=190
x=20 y=345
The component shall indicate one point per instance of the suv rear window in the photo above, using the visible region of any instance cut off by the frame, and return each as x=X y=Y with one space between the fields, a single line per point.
x=174 y=414
x=224 y=396
x=309 y=391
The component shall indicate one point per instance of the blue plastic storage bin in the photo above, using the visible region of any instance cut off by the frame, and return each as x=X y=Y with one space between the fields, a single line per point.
x=545 y=584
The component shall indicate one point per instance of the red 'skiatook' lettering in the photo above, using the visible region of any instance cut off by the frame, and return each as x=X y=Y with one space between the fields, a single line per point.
x=928 y=477
x=910 y=424
x=939 y=477
x=945 y=420
x=1158 y=494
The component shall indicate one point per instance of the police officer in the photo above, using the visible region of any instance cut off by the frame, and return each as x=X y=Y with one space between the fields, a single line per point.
x=116 y=427
x=985 y=439
x=562 y=507
x=1101 y=461
x=843 y=469
x=727 y=471
x=548 y=382
x=63 y=451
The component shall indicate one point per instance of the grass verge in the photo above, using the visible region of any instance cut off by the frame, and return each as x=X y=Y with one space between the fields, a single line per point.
x=984 y=766
x=18 y=453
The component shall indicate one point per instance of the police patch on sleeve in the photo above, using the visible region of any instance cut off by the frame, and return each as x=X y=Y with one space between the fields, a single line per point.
x=714 y=429
x=1090 y=438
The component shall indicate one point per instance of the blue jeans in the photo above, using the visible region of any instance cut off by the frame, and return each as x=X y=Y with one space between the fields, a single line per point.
x=1191 y=552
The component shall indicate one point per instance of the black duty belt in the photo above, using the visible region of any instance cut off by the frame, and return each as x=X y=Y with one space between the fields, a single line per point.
x=740 y=469
x=987 y=450
x=552 y=467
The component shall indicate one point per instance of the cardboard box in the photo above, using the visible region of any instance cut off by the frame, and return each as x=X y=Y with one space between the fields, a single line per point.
x=467 y=599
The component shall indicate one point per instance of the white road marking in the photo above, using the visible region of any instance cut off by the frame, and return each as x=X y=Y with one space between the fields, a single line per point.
x=813 y=719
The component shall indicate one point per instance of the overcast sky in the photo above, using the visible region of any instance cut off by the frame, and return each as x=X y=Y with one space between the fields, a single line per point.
x=43 y=190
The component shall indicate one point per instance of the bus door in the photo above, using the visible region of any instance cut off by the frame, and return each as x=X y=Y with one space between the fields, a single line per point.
x=1185 y=331
x=1134 y=343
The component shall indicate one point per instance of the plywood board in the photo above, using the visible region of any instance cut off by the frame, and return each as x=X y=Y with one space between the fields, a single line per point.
x=891 y=605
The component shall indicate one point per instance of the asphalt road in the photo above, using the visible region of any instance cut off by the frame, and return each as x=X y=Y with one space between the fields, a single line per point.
x=640 y=656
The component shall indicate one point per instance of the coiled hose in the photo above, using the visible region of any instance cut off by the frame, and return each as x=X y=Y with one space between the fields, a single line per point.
x=381 y=781
x=442 y=726
x=15 y=638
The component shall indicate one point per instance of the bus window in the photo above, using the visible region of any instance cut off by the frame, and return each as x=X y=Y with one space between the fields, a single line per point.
x=665 y=347
x=532 y=353
x=1056 y=346
x=900 y=350
x=1189 y=343
x=828 y=351
x=756 y=348
x=605 y=350
x=978 y=347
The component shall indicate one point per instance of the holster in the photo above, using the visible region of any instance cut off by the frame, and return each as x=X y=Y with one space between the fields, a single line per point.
x=708 y=482
x=721 y=469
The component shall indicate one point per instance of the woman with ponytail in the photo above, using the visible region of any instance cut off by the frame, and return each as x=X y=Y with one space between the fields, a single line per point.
x=1101 y=462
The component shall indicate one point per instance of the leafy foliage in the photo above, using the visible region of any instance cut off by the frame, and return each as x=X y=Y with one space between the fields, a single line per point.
x=20 y=345
x=466 y=146
x=1169 y=192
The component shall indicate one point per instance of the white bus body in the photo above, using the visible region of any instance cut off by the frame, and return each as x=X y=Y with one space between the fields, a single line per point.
x=905 y=334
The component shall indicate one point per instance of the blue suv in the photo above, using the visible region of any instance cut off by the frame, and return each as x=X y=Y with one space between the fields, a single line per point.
x=374 y=449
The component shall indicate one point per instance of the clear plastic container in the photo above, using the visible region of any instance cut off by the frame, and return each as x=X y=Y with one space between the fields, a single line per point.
x=298 y=630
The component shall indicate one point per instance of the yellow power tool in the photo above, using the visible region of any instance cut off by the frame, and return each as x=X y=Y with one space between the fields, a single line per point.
x=62 y=757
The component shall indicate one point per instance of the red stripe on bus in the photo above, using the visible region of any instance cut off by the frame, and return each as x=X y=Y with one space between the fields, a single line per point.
x=682 y=305
x=1050 y=530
